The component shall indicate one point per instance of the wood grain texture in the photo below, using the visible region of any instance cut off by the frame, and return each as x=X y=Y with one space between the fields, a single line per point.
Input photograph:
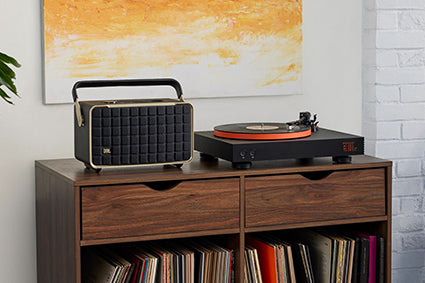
x=212 y=199
x=274 y=200
x=74 y=171
x=135 y=210
x=56 y=243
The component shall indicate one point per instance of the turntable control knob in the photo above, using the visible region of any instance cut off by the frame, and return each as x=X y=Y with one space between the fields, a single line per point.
x=252 y=154
x=243 y=154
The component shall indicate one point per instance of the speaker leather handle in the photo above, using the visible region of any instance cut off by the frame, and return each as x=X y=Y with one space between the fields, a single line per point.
x=129 y=82
x=114 y=83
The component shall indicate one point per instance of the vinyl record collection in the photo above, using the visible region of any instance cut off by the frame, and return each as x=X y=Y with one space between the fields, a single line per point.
x=171 y=262
x=314 y=256
x=304 y=255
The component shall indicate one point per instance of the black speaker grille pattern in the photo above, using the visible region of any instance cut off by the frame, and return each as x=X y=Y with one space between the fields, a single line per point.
x=141 y=135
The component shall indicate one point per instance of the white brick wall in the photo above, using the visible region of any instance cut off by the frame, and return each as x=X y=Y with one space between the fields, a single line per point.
x=412 y=93
x=394 y=120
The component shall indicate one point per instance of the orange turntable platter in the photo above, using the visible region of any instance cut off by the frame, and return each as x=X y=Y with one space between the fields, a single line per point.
x=262 y=131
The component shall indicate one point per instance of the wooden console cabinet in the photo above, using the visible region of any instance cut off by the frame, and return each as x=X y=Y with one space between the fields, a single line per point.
x=77 y=209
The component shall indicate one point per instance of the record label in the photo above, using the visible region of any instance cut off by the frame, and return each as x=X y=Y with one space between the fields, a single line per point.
x=262 y=127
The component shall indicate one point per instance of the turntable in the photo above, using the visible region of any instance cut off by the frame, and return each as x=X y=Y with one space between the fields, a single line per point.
x=243 y=144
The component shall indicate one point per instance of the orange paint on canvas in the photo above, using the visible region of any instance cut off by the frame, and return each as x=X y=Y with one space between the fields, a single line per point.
x=113 y=38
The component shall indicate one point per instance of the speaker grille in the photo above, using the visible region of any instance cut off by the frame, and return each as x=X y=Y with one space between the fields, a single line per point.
x=141 y=135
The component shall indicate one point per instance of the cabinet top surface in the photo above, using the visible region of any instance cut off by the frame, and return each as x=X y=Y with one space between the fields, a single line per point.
x=74 y=171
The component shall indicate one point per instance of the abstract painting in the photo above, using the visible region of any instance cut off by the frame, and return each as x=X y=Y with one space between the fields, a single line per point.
x=214 y=48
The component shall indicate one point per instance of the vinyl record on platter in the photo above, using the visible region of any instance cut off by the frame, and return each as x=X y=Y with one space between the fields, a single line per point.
x=262 y=131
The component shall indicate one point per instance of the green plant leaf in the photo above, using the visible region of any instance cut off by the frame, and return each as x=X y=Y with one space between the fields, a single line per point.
x=4 y=69
x=4 y=94
x=5 y=97
x=7 y=59
x=7 y=76
x=6 y=81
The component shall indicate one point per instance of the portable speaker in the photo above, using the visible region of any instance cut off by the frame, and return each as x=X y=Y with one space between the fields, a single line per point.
x=127 y=133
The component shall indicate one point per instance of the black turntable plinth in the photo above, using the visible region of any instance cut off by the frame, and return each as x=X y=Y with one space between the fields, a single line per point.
x=322 y=143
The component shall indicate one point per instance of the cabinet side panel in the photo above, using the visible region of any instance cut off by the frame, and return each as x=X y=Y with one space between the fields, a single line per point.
x=56 y=243
x=388 y=226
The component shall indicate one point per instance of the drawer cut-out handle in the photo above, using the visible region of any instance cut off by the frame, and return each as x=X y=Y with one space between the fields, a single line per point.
x=316 y=176
x=162 y=185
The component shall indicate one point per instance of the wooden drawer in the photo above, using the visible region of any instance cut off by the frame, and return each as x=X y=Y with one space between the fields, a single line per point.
x=136 y=210
x=286 y=199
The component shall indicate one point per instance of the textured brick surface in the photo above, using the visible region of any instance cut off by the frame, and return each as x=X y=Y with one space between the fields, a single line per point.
x=415 y=58
x=386 y=93
x=409 y=168
x=414 y=20
x=408 y=223
x=398 y=4
x=400 y=39
x=414 y=130
x=403 y=187
x=409 y=205
x=386 y=58
x=386 y=19
x=408 y=276
x=394 y=120
x=412 y=93
x=411 y=259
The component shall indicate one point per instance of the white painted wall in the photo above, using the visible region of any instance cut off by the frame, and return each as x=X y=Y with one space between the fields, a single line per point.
x=30 y=130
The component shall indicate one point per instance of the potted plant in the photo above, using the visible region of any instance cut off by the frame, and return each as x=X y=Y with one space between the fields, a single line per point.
x=7 y=77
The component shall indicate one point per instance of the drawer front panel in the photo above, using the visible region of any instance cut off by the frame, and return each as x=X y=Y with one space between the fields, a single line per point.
x=286 y=199
x=137 y=210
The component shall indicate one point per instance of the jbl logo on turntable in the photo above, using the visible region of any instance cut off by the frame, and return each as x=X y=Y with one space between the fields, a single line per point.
x=349 y=147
